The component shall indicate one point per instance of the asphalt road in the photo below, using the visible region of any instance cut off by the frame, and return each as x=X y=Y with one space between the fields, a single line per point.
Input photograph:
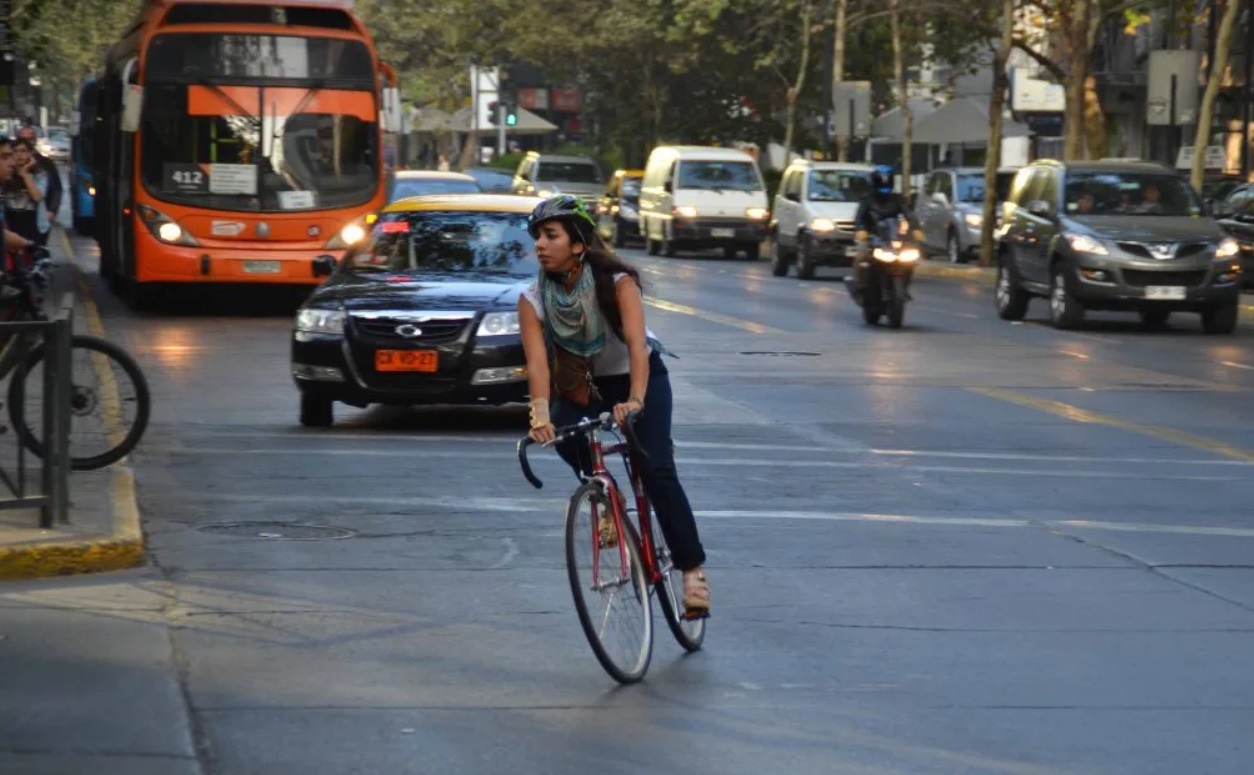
x=962 y=547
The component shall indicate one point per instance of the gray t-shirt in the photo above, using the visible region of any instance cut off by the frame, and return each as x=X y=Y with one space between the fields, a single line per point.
x=614 y=358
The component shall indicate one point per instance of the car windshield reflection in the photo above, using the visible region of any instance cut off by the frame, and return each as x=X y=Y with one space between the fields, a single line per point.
x=449 y=243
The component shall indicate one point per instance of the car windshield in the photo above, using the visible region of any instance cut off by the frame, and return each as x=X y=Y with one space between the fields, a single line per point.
x=631 y=189
x=719 y=175
x=568 y=172
x=838 y=185
x=449 y=242
x=1130 y=193
x=419 y=187
x=970 y=188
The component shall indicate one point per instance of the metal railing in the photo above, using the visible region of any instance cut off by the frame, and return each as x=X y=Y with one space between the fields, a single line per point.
x=18 y=479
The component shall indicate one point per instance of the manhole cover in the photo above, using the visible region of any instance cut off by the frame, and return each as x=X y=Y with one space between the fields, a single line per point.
x=778 y=353
x=278 y=531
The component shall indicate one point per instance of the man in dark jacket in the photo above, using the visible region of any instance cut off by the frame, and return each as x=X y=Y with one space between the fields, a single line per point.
x=53 y=198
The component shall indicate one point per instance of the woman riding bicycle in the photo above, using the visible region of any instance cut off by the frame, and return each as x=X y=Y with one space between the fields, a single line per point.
x=588 y=351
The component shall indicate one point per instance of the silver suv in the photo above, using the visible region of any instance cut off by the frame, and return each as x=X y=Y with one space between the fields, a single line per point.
x=544 y=174
x=812 y=216
x=1105 y=235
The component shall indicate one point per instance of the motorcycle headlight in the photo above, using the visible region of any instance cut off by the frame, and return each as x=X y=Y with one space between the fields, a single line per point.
x=320 y=321
x=1228 y=247
x=1083 y=243
x=498 y=324
x=908 y=254
x=885 y=255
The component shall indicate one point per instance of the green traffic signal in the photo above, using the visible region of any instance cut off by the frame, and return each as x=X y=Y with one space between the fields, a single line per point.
x=511 y=119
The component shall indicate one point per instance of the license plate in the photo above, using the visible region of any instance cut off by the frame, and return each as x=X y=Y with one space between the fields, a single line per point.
x=262 y=267
x=406 y=360
x=1167 y=292
x=722 y=232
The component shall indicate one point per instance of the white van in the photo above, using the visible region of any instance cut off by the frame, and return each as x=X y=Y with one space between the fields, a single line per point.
x=694 y=197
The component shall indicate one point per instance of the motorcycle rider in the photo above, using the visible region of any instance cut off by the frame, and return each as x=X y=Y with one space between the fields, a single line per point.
x=880 y=203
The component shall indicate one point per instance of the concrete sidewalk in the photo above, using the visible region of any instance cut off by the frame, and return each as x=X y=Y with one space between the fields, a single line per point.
x=103 y=531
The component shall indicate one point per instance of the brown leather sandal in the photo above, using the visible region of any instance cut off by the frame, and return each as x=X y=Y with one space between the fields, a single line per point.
x=696 y=596
x=607 y=533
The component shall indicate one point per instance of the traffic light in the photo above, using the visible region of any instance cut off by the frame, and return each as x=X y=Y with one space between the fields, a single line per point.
x=494 y=113
x=511 y=113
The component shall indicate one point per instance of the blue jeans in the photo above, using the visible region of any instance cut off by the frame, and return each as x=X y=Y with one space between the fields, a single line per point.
x=653 y=432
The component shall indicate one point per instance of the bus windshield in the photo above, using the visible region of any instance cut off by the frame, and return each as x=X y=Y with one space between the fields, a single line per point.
x=259 y=123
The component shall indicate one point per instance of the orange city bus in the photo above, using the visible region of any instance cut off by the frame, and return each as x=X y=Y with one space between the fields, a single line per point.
x=238 y=141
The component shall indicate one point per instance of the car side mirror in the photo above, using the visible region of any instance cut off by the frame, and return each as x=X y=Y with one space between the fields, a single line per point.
x=1040 y=208
x=324 y=266
x=669 y=186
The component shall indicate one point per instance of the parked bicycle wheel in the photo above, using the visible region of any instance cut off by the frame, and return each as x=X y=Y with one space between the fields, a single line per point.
x=610 y=588
x=670 y=593
x=109 y=402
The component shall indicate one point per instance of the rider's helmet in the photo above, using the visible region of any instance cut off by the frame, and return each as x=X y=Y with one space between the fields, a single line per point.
x=882 y=179
x=567 y=209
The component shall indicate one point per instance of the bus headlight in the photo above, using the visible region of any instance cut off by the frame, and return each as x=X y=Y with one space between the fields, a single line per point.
x=164 y=228
x=347 y=237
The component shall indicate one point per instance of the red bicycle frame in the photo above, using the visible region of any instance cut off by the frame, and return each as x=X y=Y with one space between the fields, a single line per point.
x=601 y=473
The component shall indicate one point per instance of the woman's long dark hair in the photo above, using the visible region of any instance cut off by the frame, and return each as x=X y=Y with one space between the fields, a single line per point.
x=605 y=264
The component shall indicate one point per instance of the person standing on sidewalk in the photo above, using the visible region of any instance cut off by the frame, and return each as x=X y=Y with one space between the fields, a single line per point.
x=26 y=209
x=49 y=167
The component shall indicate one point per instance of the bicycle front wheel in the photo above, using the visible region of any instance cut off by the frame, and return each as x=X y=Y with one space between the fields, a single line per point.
x=611 y=591
x=109 y=402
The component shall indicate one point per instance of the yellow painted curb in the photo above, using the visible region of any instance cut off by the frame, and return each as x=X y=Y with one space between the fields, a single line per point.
x=124 y=547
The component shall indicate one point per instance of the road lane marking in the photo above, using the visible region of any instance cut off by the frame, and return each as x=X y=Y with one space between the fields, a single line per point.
x=713 y=317
x=1077 y=414
x=405 y=443
x=505 y=456
x=557 y=505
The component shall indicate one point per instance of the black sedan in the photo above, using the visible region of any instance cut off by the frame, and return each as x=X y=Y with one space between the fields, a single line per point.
x=422 y=311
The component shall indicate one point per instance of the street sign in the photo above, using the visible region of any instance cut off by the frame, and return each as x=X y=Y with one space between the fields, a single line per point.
x=852 y=103
x=1172 y=93
x=1216 y=158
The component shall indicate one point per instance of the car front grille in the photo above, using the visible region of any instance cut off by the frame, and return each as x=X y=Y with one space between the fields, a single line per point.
x=1140 y=278
x=432 y=331
x=1184 y=250
x=844 y=226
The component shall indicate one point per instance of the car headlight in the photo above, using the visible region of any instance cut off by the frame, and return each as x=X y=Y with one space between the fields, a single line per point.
x=164 y=228
x=757 y=213
x=498 y=324
x=686 y=212
x=346 y=237
x=974 y=220
x=1083 y=243
x=320 y=321
x=1228 y=247
x=822 y=224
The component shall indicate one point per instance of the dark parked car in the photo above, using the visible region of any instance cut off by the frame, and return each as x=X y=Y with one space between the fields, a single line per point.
x=422 y=311
x=1128 y=236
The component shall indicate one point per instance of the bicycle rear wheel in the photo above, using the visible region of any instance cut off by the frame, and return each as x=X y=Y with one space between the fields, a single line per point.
x=109 y=402
x=610 y=588
x=670 y=594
